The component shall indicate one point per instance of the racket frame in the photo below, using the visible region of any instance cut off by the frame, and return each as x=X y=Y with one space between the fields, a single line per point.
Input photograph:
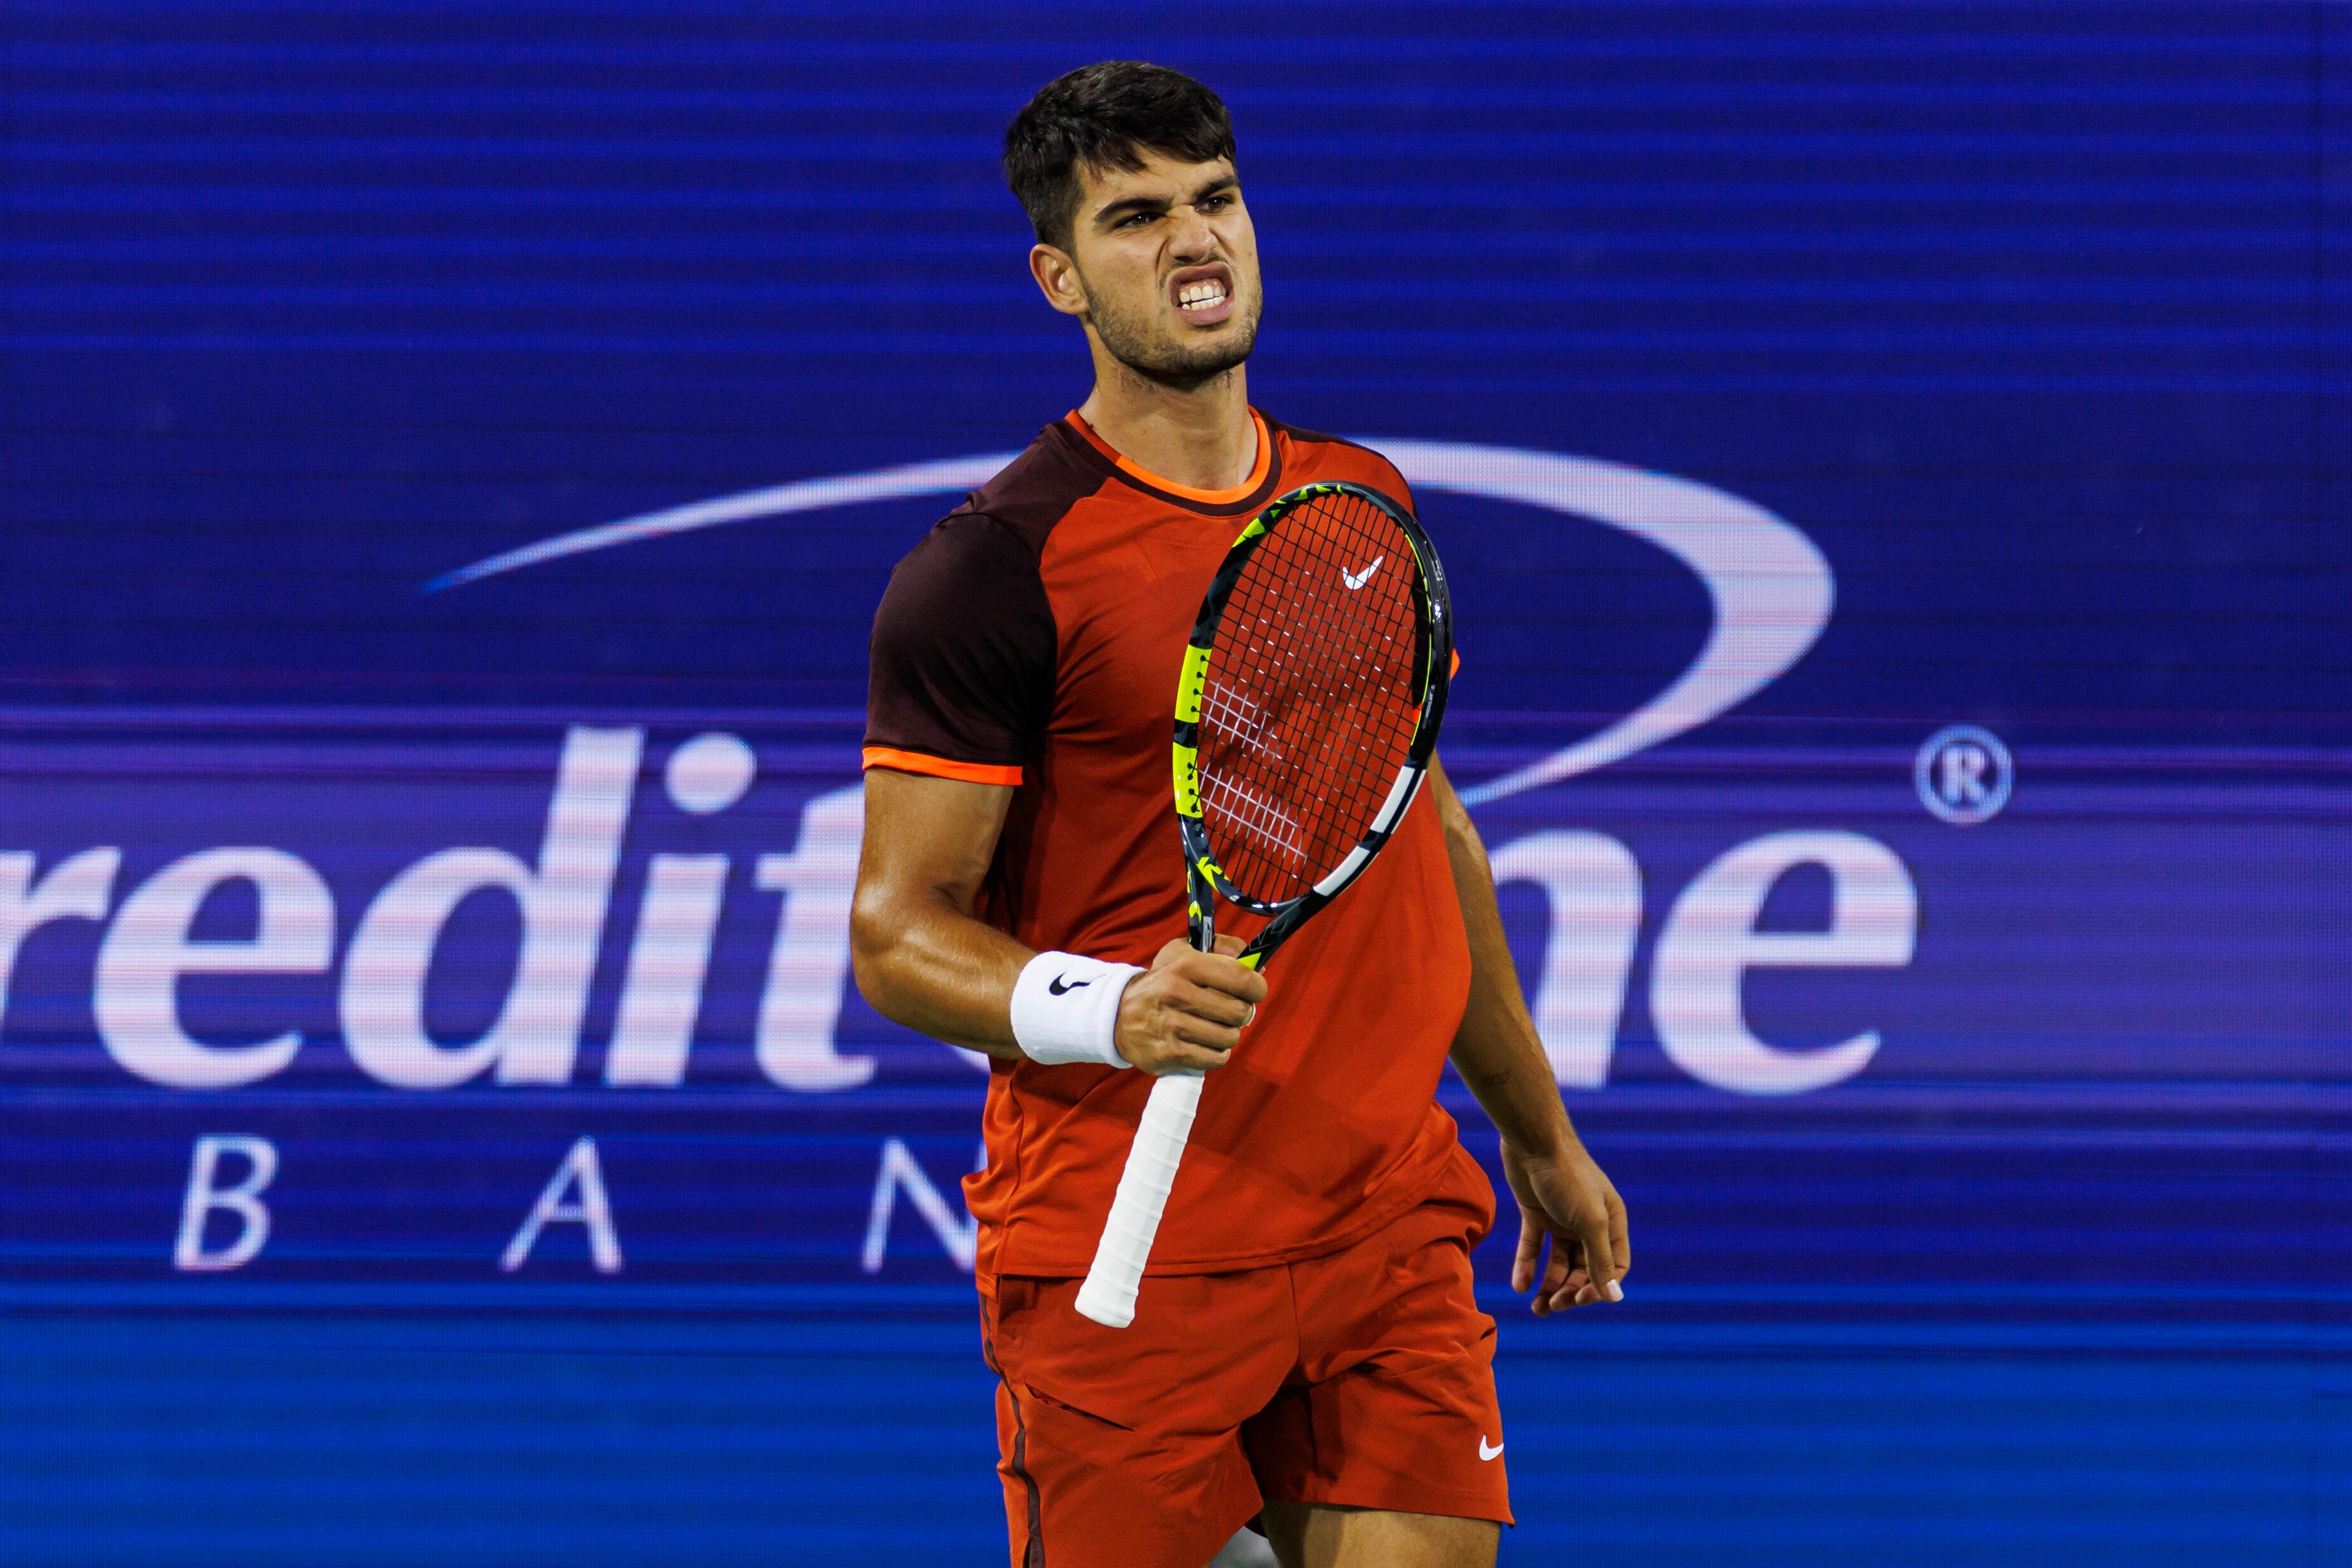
x=1205 y=880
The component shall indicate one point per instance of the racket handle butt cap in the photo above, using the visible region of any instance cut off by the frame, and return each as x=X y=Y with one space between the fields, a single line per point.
x=1103 y=1303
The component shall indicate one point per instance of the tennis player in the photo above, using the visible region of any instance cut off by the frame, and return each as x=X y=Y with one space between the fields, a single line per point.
x=1306 y=1353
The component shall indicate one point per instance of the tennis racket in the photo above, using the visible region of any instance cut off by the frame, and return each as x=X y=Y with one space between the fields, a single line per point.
x=1305 y=715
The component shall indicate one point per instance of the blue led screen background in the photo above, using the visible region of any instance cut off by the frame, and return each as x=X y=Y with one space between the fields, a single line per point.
x=1893 y=462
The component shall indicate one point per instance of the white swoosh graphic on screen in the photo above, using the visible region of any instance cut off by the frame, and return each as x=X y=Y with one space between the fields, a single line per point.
x=1770 y=589
x=776 y=501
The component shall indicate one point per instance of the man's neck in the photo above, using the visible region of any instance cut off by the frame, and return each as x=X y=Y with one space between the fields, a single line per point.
x=1202 y=438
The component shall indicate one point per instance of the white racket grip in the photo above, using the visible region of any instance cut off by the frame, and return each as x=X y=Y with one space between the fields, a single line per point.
x=1109 y=1295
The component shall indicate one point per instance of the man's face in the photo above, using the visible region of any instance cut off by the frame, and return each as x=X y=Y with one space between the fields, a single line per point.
x=1167 y=267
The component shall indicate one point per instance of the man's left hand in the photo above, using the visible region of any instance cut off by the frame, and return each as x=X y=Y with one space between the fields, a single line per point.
x=1563 y=1194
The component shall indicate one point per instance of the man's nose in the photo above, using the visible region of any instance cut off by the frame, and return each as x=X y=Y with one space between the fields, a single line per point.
x=1194 y=239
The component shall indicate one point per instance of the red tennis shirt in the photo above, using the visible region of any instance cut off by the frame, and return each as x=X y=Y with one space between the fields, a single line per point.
x=1031 y=640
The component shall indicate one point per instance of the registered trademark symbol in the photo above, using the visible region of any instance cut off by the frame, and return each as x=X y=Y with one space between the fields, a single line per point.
x=1963 y=774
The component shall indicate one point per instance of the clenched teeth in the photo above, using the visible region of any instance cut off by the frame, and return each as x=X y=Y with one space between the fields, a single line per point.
x=1195 y=295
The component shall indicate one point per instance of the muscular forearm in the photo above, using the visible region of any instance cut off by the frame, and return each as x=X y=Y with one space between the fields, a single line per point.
x=926 y=964
x=1496 y=1048
x=923 y=959
x=1565 y=1202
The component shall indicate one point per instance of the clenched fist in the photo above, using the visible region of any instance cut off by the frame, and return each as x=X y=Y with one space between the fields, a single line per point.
x=1185 y=1013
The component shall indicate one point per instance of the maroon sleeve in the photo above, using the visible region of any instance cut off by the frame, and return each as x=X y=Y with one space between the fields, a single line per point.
x=960 y=681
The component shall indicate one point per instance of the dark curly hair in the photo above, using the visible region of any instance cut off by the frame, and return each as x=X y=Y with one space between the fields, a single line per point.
x=1104 y=116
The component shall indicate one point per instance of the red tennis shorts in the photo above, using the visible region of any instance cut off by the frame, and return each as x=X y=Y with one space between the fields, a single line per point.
x=1364 y=1377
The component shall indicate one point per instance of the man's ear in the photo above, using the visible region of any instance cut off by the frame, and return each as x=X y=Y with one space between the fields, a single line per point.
x=1057 y=279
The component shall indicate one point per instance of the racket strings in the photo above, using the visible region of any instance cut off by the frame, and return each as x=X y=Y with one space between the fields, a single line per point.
x=1310 y=704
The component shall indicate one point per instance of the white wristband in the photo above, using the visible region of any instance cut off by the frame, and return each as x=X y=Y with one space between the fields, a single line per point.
x=1066 y=1008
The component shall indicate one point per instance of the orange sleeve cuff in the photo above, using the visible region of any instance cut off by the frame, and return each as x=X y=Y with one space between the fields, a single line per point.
x=941 y=766
x=1457 y=664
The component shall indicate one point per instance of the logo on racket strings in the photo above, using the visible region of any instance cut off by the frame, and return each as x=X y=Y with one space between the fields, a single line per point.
x=1356 y=580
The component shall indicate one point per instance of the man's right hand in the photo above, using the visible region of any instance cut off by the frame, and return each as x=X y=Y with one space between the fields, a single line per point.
x=1186 y=1012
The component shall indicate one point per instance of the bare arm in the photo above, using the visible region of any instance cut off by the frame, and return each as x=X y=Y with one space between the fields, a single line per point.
x=1562 y=1193
x=920 y=957
x=923 y=959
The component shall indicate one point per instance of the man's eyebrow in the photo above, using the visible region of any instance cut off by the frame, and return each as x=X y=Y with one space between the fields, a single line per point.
x=1130 y=205
x=1119 y=209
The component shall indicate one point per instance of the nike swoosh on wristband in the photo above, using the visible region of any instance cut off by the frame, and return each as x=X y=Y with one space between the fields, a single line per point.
x=1484 y=1451
x=1061 y=984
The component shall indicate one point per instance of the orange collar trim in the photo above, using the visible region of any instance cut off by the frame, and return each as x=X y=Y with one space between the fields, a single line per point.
x=1135 y=470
